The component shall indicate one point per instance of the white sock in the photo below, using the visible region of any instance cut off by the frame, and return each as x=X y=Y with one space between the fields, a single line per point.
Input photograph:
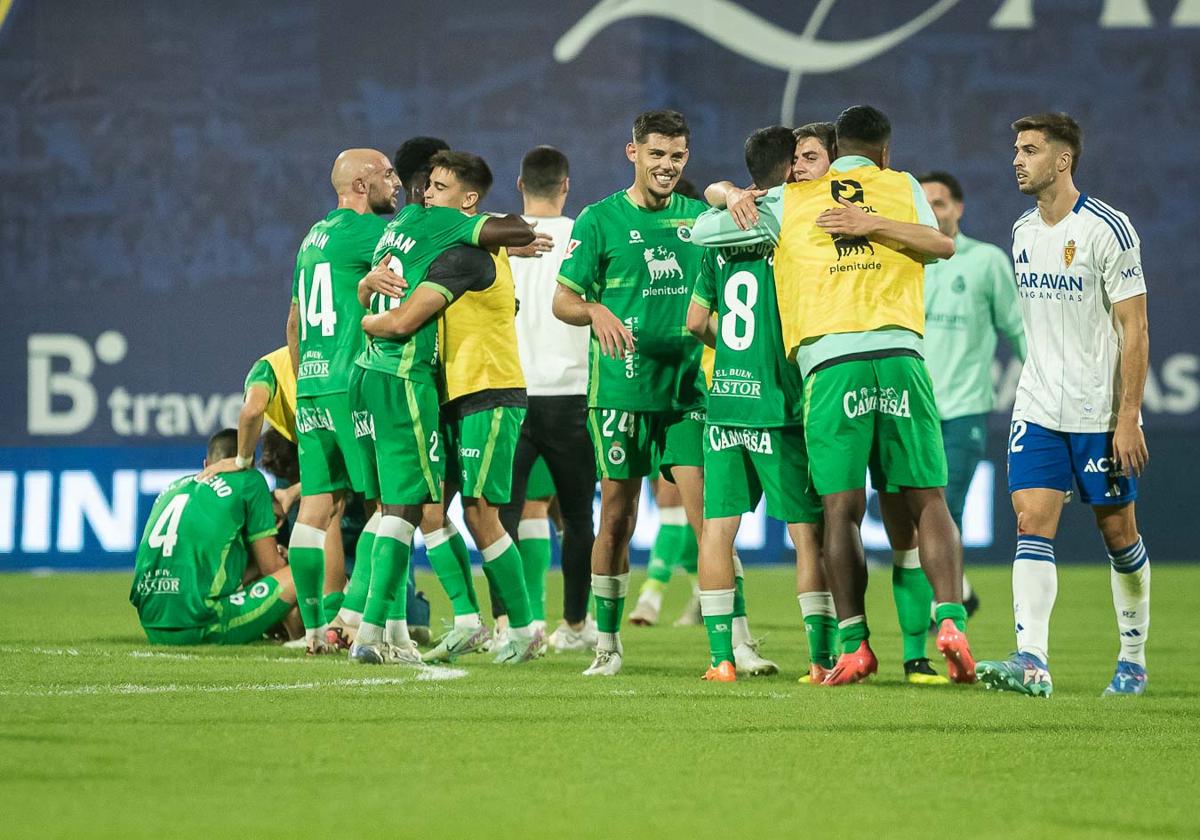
x=672 y=516
x=1035 y=586
x=968 y=590
x=907 y=559
x=816 y=603
x=349 y=618
x=523 y=633
x=316 y=633
x=741 y=629
x=472 y=621
x=653 y=597
x=396 y=632
x=369 y=634
x=714 y=602
x=1130 y=577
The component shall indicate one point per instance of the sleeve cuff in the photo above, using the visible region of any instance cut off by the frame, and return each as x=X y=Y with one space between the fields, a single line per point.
x=440 y=289
x=270 y=532
x=700 y=300
x=478 y=227
x=572 y=285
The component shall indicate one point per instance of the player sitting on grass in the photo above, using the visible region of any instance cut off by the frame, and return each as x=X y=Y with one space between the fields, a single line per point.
x=196 y=554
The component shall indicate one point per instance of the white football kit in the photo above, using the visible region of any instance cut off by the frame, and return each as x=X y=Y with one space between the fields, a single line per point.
x=1069 y=276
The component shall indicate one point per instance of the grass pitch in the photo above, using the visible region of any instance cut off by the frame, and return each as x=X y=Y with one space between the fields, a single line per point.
x=103 y=736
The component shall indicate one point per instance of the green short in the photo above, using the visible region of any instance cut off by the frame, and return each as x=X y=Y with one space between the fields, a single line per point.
x=540 y=484
x=628 y=444
x=330 y=458
x=480 y=449
x=684 y=442
x=740 y=465
x=396 y=424
x=877 y=415
x=242 y=617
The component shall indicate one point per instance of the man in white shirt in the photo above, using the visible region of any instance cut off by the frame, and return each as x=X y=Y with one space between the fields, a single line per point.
x=1077 y=415
x=554 y=357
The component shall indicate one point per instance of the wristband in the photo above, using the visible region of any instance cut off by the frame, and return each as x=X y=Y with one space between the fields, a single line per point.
x=243 y=463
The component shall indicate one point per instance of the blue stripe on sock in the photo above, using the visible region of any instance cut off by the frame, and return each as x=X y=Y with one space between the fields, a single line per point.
x=1130 y=559
x=1035 y=548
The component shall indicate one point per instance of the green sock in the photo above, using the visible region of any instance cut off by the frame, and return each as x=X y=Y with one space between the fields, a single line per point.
x=389 y=565
x=689 y=552
x=439 y=546
x=716 y=605
x=332 y=602
x=739 y=588
x=306 y=556
x=662 y=555
x=913 y=594
x=955 y=612
x=463 y=555
x=533 y=537
x=503 y=567
x=609 y=593
x=853 y=632
x=820 y=626
x=360 y=581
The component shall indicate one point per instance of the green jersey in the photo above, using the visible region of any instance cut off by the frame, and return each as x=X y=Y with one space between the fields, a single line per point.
x=642 y=265
x=968 y=299
x=194 y=550
x=411 y=242
x=332 y=259
x=262 y=374
x=753 y=383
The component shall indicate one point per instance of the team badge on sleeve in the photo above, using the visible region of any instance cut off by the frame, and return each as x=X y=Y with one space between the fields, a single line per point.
x=571 y=246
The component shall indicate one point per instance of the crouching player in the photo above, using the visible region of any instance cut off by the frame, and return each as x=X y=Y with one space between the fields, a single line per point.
x=754 y=440
x=195 y=554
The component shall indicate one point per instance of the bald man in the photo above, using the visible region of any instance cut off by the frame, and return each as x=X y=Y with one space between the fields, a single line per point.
x=324 y=336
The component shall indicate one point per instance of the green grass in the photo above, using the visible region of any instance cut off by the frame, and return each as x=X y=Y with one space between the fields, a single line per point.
x=100 y=737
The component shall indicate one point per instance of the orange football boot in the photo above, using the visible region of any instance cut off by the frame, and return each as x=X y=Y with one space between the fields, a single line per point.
x=816 y=674
x=952 y=644
x=853 y=667
x=724 y=672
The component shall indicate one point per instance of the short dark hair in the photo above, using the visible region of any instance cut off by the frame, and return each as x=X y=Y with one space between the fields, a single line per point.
x=280 y=457
x=1056 y=126
x=222 y=445
x=945 y=179
x=862 y=125
x=824 y=132
x=543 y=169
x=471 y=170
x=769 y=153
x=413 y=157
x=666 y=123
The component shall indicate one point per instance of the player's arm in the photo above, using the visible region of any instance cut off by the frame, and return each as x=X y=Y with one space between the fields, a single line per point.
x=701 y=320
x=715 y=228
x=265 y=552
x=614 y=337
x=505 y=231
x=543 y=243
x=1129 y=444
x=702 y=324
x=455 y=272
x=925 y=242
x=742 y=203
x=250 y=422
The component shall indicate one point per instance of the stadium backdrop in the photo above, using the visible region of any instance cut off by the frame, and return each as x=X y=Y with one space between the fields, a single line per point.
x=160 y=163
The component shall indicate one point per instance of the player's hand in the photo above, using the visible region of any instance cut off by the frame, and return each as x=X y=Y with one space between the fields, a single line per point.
x=1130 y=454
x=223 y=466
x=542 y=243
x=742 y=206
x=615 y=338
x=382 y=280
x=848 y=220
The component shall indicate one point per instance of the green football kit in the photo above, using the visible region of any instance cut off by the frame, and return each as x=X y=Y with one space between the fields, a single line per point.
x=394 y=397
x=332 y=259
x=187 y=583
x=753 y=440
x=641 y=264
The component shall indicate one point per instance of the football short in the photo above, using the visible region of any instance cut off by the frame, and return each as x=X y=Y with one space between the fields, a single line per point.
x=741 y=465
x=396 y=425
x=330 y=458
x=877 y=415
x=540 y=484
x=1041 y=458
x=480 y=448
x=628 y=444
x=242 y=617
x=684 y=446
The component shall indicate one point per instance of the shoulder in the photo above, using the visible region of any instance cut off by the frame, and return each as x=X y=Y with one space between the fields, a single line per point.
x=690 y=207
x=1024 y=219
x=1108 y=223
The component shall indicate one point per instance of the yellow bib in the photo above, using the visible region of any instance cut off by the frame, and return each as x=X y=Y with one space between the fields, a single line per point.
x=846 y=284
x=281 y=410
x=478 y=336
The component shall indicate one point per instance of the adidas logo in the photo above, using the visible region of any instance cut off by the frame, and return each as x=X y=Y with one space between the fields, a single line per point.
x=1024 y=258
